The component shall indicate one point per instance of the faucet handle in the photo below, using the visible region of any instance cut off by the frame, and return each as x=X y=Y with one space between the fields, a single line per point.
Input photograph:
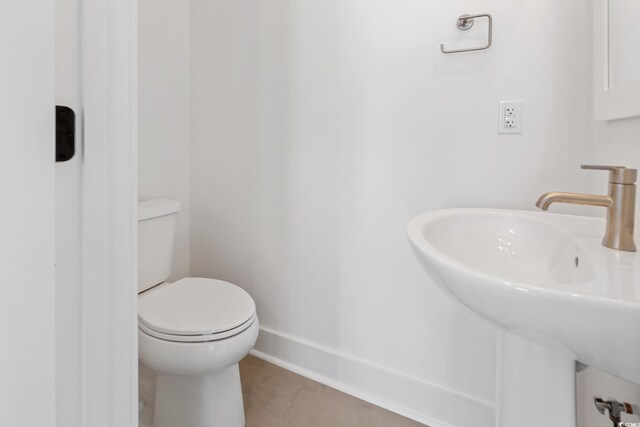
x=617 y=174
x=601 y=167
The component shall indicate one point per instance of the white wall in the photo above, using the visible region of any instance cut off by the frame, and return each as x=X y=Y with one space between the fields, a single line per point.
x=614 y=142
x=319 y=129
x=164 y=129
x=593 y=382
x=163 y=109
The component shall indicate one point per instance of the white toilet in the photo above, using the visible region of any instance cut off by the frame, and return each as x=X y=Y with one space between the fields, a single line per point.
x=192 y=332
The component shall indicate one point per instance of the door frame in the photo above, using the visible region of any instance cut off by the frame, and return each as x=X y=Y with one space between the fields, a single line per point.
x=109 y=200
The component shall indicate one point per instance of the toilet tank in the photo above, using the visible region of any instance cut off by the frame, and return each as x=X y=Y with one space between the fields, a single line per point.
x=156 y=232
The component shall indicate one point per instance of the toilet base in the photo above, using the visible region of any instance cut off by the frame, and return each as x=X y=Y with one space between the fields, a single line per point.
x=213 y=400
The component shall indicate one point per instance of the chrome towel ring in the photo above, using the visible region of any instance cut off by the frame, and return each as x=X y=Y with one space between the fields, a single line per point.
x=465 y=22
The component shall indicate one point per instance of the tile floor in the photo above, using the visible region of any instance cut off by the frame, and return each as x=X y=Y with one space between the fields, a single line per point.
x=275 y=397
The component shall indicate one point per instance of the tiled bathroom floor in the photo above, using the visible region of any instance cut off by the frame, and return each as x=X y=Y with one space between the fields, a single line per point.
x=275 y=397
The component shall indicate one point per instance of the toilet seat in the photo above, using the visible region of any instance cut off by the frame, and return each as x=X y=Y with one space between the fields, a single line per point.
x=197 y=338
x=196 y=310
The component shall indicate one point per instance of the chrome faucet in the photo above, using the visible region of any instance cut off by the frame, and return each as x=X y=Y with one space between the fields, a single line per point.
x=620 y=204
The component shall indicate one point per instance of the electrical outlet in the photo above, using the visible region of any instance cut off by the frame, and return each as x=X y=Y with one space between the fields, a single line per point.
x=510 y=117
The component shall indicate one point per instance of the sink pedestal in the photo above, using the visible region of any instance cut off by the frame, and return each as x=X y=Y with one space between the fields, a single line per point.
x=537 y=386
x=556 y=291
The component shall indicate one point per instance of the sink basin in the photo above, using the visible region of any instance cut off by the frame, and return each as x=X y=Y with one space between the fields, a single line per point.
x=542 y=276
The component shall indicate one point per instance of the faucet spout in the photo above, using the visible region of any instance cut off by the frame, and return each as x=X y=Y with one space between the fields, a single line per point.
x=620 y=204
x=573 y=198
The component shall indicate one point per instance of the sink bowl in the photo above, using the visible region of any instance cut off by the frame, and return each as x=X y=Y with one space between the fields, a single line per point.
x=542 y=276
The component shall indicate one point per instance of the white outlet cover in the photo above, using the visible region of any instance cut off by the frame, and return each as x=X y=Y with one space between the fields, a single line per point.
x=512 y=110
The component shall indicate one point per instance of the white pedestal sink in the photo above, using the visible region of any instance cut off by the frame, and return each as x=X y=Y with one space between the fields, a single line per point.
x=545 y=278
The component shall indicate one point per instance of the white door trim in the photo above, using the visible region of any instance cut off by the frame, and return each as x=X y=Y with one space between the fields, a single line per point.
x=110 y=354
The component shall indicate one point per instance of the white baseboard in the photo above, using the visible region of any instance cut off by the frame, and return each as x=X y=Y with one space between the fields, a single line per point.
x=419 y=400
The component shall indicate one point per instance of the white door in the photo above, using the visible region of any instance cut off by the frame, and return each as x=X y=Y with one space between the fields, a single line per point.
x=27 y=364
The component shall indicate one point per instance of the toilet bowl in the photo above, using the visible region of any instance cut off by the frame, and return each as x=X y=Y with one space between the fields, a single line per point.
x=192 y=333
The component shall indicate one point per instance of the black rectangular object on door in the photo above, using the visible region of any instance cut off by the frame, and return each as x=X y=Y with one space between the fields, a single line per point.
x=65 y=133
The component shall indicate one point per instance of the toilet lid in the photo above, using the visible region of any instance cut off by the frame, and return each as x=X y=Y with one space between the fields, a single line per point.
x=195 y=306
